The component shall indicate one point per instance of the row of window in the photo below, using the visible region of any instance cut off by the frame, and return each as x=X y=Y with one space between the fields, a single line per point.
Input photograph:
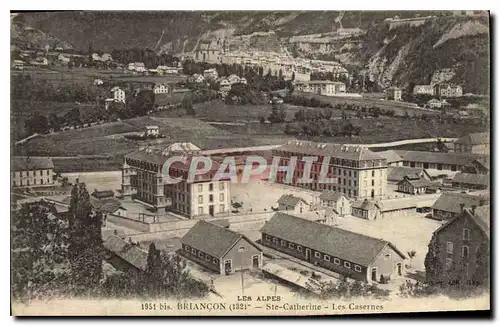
x=27 y=183
x=210 y=198
x=317 y=254
x=222 y=209
x=35 y=173
x=210 y=186
x=201 y=254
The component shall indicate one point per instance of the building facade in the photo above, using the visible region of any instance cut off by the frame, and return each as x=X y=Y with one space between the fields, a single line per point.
x=394 y=94
x=423 y=89
x=143 y=180
x=337 y=201
x=461 y=248
x=350 y=254
x=31 y=171
x=321 y=87
x=448 y=90
x=449 y=204
x=358 y=172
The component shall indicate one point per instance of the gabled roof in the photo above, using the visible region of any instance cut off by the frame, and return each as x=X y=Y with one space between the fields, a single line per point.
x=434 y=173
x=290 y=200
x=472 y=178
x=106 y=205
x=417 y=183
x=212 y=239
x=349 y=152
x=481 y=217
x=397 y=173
x=353 y=247
x=365 y=204
x=475 y=139
x=24 y=163
x=391 y=156
x=450 y=201
x=331 y=195
x=128 y=252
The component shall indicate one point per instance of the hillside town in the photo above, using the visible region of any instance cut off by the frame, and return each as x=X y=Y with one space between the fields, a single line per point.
x=98 y=136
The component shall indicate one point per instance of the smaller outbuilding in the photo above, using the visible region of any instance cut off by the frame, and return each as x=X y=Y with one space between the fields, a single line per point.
x=220 y=249
x=293 y=204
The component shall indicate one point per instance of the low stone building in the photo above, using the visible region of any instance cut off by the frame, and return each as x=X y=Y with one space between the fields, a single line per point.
x=347 y=253
x=220 y=249
x=414 y=185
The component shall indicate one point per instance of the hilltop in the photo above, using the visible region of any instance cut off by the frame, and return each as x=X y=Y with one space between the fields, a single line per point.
x=443 y=48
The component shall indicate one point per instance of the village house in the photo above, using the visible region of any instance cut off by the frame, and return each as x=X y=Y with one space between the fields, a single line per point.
x=337 y=201
x=143 y=179
x=118 y=94
x=393 y=94
x=358 y=172
x=40 y=61
x=423 y=89
x=366 y=209
x=233 y=79
x=210 y=74
x=31 y=171
x=220 y=249
x=471 y=181
x=161 y=88
x=414 y=185
x=447 y=206
x=197 y=78
x=18 y=64
x=108 y=205
x=152 y=131
x=321 y=87
x=293 y=204
x=438 y=104
x=396 y=174
x=344 y=252
x=448 y=90
x=461 y=244
x=98 y=82
x=474 y=143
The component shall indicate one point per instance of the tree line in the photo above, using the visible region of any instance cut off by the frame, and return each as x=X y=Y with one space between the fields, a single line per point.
x=61 y=255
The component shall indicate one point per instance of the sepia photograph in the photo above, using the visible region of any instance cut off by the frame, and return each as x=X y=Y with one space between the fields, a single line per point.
x=250 y=163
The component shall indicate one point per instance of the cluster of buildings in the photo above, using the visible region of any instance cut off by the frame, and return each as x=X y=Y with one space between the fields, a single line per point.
x=440 y=90
x=140 y=67
x=215 y=51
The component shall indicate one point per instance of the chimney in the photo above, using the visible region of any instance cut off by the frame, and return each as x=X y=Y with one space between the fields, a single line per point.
x=473 y=207
x=462 y=205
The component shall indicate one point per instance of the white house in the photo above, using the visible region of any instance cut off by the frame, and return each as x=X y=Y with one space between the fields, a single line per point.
x=293 y=204
x=160 y=89
x=98 y=82
x=118 y=94
x=210 y=73
x=337 y=201
x=152 y=131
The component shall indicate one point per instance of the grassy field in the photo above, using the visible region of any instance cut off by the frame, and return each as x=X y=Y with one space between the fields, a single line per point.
x=219 y=111
x=400 y=108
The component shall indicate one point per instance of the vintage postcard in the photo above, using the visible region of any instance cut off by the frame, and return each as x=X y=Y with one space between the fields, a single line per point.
x=249 y=163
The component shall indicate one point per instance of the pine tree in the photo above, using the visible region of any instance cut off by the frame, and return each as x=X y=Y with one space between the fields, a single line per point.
x=154 y=269
x=433 y=266
x=85 y=241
